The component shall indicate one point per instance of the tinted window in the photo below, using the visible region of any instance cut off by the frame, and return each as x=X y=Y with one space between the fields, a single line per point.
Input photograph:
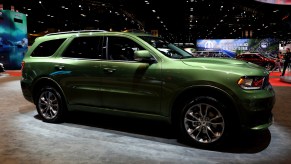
x=120 y=48
x=245 y=56
x=256 y=56
x=85 y=47
x=47 y=48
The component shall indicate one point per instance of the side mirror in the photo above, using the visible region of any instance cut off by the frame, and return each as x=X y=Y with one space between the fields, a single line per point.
x=143 y=56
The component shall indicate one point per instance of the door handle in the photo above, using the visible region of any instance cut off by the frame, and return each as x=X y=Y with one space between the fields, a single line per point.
x=59 y=67
x=109 y=70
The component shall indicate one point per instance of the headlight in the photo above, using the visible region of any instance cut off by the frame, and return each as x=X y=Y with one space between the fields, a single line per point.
x=251 y=82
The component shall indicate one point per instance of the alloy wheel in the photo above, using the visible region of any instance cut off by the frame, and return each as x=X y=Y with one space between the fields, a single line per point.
x=204 y=123
x=48 y=105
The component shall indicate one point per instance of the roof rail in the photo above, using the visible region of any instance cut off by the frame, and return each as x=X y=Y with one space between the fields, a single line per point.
x=80 y=31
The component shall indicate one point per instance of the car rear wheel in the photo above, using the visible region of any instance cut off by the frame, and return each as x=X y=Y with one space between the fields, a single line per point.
x=203 y=122
x=49 y=105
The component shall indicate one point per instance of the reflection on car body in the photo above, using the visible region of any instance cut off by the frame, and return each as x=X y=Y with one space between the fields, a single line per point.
x=205 y=99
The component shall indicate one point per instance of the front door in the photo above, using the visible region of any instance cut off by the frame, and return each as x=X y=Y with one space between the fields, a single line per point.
x=127 y=84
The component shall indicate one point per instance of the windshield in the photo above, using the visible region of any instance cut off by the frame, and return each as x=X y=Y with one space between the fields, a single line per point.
x=166 y=48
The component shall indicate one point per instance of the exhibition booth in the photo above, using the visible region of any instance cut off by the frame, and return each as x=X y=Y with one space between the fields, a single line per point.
x=13 y=38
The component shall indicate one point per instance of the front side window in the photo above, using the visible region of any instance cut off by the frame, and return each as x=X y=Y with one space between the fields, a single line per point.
x=120 y=48
x=47 y=48
x=85 y=47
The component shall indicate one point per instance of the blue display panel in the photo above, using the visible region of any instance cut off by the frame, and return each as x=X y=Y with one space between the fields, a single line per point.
x=232 y=47
x=13 y=38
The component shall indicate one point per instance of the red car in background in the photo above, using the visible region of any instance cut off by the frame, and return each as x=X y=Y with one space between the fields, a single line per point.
x=259 y=59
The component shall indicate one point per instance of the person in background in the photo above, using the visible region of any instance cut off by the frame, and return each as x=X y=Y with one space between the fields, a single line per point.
x=287 y=58
x=278 y=61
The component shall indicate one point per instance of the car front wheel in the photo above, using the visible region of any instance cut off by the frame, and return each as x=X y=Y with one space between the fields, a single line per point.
x=203 y=122
x=49 y=105
x=269 y=66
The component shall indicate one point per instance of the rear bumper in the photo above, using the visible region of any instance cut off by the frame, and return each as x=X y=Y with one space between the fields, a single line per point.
x=26 y=91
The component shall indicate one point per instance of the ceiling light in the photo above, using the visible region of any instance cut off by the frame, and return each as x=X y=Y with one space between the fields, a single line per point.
x=39 y=2
x=154 y=11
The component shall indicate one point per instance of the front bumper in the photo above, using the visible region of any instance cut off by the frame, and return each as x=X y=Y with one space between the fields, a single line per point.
x=256 y=112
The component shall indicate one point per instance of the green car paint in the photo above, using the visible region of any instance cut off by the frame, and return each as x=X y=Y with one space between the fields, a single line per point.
x=156 y=84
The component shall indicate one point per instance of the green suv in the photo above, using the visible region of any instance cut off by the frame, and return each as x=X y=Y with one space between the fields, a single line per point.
x=139 y=75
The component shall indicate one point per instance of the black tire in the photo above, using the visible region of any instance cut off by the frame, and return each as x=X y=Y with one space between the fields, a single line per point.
x=269 y=66
x=203 y=122
x=50 y=105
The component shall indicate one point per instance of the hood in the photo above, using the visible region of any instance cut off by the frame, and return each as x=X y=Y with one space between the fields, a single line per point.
x=209 y=62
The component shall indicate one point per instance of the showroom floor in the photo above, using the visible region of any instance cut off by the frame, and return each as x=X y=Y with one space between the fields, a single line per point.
x=90 y=138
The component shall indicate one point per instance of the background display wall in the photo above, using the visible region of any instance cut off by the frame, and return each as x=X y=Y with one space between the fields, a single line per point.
x=13 y=38
x=232 y=47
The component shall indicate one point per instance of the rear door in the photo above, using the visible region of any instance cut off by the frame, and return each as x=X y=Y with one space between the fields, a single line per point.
x=79 y=70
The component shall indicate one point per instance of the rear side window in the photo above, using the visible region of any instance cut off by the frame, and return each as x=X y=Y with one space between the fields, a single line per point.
x=85 y=47
x=47 y=48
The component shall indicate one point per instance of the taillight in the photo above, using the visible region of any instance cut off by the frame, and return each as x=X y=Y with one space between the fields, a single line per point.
x=22 y=65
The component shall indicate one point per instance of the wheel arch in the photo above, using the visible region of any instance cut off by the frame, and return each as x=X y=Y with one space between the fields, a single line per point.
x=211 y=91
x=46 y=81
